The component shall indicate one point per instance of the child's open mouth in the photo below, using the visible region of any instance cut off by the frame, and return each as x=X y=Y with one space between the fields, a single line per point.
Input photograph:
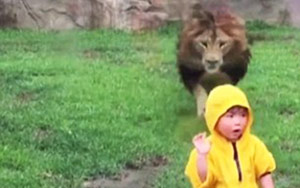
x=237 y=131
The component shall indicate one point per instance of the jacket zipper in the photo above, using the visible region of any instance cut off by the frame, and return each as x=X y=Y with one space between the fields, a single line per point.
x=237 y=162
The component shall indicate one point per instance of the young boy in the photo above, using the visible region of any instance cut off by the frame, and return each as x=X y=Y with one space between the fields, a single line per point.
x=231 y=157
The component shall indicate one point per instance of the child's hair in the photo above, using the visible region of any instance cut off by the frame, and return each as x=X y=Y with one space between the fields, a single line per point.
x=237 y=106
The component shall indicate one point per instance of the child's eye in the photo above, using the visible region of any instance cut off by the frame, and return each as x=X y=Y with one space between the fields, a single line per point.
x=244 y=114
x=230 y=115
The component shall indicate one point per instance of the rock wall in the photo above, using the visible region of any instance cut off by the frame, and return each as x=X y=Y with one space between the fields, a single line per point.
x=7 y=16
x=69 y=14
x=131 y=14
x=271 y=11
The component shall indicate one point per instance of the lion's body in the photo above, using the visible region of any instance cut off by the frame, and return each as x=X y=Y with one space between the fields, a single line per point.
x=212 y=50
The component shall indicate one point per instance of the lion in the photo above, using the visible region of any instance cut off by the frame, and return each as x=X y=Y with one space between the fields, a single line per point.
x=212 y=50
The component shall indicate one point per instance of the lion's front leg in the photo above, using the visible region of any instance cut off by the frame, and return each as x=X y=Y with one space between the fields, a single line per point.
x=201 y=96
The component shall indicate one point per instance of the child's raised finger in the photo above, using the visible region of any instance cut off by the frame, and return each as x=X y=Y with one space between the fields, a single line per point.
x=200 y=136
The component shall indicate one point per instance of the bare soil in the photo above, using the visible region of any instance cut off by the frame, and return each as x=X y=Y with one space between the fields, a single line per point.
x=139 y=174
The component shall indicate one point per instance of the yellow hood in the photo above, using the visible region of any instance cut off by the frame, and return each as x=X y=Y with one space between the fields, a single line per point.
x=221 y=99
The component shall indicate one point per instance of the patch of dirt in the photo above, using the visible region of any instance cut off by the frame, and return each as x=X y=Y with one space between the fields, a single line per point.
x=287 y=112
x=95 y=53
x=25 y=97
x=43 y=137
x=91 y=54
x=41 y=134
x=138 y=174
x=296 y=52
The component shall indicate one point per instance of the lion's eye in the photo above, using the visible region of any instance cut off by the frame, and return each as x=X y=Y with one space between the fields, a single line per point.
x=204 y=44
x=222 y=44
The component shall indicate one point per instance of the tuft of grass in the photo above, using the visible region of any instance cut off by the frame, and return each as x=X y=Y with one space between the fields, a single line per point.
x=258 y=25
x=79 y=104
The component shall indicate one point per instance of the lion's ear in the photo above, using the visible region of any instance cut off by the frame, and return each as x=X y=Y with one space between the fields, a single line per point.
x=240 y=21
x=192 y=23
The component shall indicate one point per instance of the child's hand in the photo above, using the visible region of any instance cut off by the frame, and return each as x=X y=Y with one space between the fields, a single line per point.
x=201 y=143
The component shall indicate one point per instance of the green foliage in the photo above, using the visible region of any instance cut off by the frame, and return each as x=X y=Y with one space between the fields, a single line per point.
x=170 y=28
x=79 y=104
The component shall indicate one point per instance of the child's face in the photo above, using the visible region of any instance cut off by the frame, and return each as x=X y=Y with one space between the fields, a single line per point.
x=232 y=124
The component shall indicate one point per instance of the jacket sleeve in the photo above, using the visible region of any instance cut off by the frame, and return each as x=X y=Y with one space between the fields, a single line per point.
x=191 y=172
x=263 y=159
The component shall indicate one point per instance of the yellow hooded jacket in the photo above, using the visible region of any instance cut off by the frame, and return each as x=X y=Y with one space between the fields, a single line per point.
x=230 y=165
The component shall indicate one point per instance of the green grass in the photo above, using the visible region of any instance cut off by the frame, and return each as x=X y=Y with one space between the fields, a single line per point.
x=79 y=104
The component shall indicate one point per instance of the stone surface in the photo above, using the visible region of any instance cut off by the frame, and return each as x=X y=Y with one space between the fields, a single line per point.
x=271 y=11
x=7 y=16
x=131 y=14
x=294 y=11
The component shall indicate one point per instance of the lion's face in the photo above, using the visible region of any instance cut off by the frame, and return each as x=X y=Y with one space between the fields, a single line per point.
x=213 y=45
